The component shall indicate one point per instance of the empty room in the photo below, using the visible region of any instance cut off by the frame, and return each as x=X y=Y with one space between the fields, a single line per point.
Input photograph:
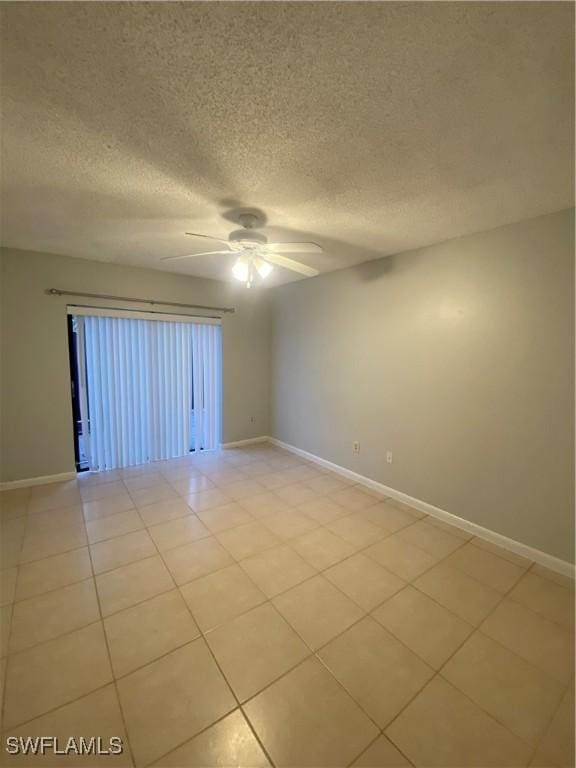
x=287 y=384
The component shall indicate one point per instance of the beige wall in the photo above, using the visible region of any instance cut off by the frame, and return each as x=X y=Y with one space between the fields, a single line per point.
x=35 y=401
x=459 y=359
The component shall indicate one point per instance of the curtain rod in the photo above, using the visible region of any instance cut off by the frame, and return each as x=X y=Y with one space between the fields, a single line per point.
x=59 y=292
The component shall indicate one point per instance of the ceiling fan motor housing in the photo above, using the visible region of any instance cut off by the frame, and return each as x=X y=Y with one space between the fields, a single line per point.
x=248 y=236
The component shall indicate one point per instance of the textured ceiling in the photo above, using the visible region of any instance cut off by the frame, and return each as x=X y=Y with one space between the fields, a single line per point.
x=371 y=128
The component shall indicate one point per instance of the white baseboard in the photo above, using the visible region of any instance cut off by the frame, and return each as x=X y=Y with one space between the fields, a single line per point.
x=42 y=480
x=543 y=558
x=248 y=441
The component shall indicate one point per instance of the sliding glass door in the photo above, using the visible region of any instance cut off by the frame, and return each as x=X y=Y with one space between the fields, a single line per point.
x=148 y=389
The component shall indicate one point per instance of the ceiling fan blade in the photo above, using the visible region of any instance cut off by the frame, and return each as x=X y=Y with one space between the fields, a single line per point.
x=193 y=255
x=207 y=237
x=284 y=261
x=294 y=248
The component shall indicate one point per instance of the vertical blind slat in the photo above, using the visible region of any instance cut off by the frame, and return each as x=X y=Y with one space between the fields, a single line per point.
x=142 y=378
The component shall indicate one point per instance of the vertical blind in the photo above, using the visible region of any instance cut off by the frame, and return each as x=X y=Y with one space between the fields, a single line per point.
x=149 y=389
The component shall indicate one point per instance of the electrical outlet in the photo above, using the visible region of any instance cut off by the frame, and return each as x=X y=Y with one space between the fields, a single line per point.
x=389 y=457
x=356 y=446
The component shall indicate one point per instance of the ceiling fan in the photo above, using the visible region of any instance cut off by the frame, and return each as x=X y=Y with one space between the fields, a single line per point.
x=256 y=256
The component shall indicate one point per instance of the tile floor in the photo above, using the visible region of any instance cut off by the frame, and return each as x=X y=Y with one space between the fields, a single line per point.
x=247 y=608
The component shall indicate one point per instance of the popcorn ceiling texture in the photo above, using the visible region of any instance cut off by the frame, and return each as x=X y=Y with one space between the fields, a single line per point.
x=372 y=128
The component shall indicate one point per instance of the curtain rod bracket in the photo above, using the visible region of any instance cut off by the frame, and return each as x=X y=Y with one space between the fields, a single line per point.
x=153 y=302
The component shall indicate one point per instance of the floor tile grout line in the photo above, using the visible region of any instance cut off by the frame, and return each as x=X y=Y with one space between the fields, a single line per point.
x=474 y=703
x=59 y=507
x=108 y=516
x=270 y=600
x=557 y=624
x=94 y=577
x=423 y=517
x=508 y=595
x=41 y=596
x=473 y=629
x=215 y=660
x=313 y=652
x=238 y=562
x=191 y=463
x=239 y=706
x=450 y=610
x=55 y=554
x=127 y=562
x=474 y=578
x=474 y=542
x=119 y=678
x=47 y=512
x=372 y=743
x=102 y=621
x=472 y=539
x=23 y=723
x=90 y=623
x=351 y=555
x=349 y=693
x=371 y=611
x=548 y=724
x=109 y=655
x=77 y=581
x=494 y=717
x=109 y=651
x=439 y=671
x=282 y=591
x=531 y=664
x=563 y=686
x=140 y=602
x=182 y=743
x=9 y=634
x=441 y=605
x=113 y=538
x=480 y=706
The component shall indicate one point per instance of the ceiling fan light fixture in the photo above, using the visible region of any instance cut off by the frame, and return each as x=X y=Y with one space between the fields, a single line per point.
x=245 y=267
x=241 y=270
x=263 y=268
x=255 y=255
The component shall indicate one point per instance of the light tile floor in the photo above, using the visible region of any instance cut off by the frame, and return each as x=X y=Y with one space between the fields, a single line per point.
x=247 y=608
